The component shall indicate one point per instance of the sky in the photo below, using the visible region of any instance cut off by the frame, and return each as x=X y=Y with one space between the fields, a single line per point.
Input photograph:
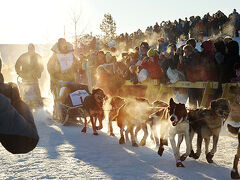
x=44 y=21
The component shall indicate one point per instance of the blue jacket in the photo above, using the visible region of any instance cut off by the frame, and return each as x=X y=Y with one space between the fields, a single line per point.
x=162 y=47
x=18 y=133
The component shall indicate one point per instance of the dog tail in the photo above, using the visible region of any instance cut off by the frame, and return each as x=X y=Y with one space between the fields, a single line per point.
x=233 y=131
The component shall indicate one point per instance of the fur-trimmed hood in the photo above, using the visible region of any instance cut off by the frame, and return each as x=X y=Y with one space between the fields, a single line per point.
x=57 y=51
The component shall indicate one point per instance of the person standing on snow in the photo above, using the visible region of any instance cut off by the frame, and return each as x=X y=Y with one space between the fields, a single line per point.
x=28 y=66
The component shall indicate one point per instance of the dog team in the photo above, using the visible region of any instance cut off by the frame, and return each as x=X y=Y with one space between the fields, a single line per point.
x=134 y=114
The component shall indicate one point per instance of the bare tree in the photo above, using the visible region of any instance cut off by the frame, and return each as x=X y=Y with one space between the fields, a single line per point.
x=75 y=18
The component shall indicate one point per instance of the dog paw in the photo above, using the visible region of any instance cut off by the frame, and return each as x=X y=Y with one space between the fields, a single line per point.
x=160 y=150
x=234 y=174
x=209 y=157
x=134 y=144
x=143 y=142
x=191 y=154
x=121 y=140
x=196 y=156
x=95 y=133
x=84 y=130
x=179 y=164
x=183 y=157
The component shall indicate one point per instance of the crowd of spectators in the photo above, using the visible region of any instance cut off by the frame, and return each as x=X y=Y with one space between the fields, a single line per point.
x=194 y=27
x=162 y=60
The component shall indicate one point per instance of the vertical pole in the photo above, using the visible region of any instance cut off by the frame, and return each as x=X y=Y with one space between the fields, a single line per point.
x=64 y=32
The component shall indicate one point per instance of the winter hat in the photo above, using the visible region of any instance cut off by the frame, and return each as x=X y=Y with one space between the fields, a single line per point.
x=152 y=52
x=144 y=45
x=207 y=46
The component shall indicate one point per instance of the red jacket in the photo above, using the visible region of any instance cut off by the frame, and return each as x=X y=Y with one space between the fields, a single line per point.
x=153 y=67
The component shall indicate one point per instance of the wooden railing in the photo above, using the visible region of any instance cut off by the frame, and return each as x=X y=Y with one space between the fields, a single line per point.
x=158 y=91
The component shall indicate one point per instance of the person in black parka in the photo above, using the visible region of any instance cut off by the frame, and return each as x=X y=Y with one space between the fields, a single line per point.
x=231 y=58
x=18 y=133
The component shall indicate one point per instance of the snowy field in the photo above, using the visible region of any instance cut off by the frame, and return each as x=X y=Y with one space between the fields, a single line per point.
x=63 y=152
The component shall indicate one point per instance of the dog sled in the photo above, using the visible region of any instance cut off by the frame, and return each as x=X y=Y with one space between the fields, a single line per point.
x=68 y=103
x=30 y=93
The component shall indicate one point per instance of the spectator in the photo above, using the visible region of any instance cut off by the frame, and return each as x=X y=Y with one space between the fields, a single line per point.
x=186 y=28
x=235 y=20
x=144 y=47
x=209 y=71
x=110 y=75
x=133 y=74
x=232 y=57
x=219 y=48
x=162 y=45
x=156 y=28
x=193 y=43
x=189 y=64
x=171 y=60
x=151 y=64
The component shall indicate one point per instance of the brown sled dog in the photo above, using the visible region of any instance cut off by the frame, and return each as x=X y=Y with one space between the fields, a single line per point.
x=207 y=122
x=116 y=102
x=135 y=113
x=93 y=106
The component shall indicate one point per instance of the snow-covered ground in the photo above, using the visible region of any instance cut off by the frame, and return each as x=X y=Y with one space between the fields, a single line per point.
x=66 y=153
x=63 y=152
